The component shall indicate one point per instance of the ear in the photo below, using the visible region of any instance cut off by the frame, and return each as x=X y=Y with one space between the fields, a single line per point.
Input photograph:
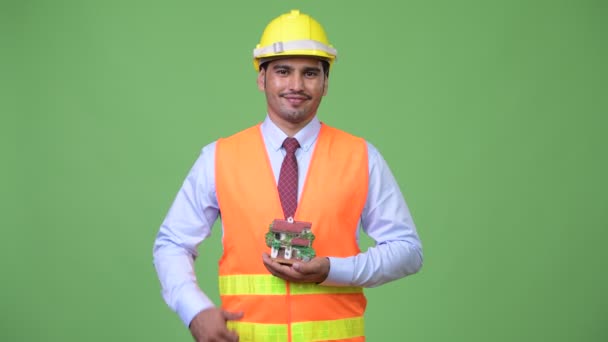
x=262 y=80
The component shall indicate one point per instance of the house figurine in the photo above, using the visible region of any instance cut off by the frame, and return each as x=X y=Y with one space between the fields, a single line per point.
x=290 y=241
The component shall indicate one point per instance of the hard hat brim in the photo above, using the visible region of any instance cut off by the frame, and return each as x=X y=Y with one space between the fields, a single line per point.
x=257 y=62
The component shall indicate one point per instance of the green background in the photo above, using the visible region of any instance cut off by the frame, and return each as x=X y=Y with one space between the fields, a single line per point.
x=491 y=114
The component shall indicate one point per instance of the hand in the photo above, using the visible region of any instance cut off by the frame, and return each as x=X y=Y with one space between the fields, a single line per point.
x=314 y=271
x=210 y=326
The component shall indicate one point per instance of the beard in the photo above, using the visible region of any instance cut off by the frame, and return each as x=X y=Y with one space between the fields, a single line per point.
x=293 y=113
x=296 y=116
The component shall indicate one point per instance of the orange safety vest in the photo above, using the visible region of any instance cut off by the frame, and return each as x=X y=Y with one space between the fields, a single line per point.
x=332 y=199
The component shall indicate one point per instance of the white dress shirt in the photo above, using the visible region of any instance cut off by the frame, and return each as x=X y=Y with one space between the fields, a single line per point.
x=385 y=218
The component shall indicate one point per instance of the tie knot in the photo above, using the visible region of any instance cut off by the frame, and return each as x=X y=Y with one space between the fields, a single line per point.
x=291 y=145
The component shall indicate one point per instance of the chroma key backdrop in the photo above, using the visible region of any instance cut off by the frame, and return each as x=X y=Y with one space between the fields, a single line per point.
x=491 y=114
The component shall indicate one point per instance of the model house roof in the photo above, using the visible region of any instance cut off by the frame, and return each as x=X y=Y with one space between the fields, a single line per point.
x=282 y=226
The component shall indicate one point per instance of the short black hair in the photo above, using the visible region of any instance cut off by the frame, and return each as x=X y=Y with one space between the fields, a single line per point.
x=324 y=63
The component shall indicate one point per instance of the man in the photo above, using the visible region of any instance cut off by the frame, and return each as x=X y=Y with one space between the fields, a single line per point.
x=340 y=182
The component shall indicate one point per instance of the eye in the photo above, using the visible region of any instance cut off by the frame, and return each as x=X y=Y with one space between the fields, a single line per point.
x=282 y=72
x=311 y=74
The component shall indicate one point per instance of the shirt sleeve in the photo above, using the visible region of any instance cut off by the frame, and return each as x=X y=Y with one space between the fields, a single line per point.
x=387 y=220
x=187 y=224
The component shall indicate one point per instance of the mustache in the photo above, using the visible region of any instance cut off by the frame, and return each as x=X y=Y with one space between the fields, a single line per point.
x=297 y=93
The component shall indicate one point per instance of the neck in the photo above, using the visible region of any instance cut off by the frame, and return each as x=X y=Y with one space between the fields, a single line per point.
x=289 y=128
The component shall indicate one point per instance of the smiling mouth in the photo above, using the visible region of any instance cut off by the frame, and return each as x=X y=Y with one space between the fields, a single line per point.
x=296 y=96
x=296 y=99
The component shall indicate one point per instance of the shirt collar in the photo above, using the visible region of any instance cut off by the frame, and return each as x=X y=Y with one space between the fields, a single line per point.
x=306 y=136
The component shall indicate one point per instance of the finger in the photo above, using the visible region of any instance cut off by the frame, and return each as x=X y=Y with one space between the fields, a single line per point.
x=303 y=268
x=275 y=266
x=283 y=272
x=314 y=271
x=268 y=260
x=315 y=266
x=231 y=316
x=291 y=275
x=229 y=336
x=269 y=264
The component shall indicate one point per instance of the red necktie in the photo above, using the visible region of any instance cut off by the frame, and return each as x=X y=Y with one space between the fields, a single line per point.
x=288 y=178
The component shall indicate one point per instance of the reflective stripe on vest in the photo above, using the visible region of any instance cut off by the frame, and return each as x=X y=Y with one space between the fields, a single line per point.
x=300 y=332
x=263 y=284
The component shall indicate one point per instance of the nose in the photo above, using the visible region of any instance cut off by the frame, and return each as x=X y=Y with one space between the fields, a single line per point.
x=296 y=83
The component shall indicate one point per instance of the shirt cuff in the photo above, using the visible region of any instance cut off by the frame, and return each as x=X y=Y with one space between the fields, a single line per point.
x=191 y=303
x=341 y=272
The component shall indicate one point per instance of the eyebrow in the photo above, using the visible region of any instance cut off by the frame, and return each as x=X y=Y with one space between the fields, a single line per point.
x=306 y=69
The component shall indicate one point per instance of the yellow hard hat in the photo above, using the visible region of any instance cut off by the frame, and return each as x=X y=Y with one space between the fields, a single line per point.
x=293 y=34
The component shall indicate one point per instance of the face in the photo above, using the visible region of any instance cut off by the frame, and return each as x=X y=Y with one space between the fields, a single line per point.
x=294 y=88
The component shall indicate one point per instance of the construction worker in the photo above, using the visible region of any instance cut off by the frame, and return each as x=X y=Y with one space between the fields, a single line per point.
x=289 y=167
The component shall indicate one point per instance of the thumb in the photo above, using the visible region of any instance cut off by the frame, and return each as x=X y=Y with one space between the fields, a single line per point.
x=305 y=267
x=230 y=316
x=315 y=266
